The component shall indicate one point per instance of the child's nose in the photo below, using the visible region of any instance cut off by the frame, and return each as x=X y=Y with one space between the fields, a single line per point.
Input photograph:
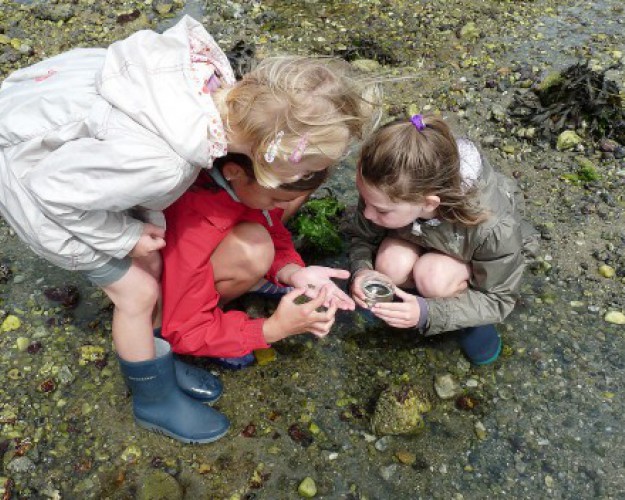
x=369 y=213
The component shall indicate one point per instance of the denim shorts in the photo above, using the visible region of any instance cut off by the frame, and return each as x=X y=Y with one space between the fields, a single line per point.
x=109 y=273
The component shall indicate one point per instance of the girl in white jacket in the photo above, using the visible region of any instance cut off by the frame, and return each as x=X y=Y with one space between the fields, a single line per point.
x=95 y=143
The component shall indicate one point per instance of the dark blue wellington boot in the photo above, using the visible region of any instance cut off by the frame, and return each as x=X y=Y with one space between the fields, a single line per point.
x=481 y=344
x=160 y=405
x=194 y=381
x=237 y=363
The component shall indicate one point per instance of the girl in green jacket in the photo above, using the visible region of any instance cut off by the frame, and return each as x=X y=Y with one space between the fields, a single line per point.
x=436 y=219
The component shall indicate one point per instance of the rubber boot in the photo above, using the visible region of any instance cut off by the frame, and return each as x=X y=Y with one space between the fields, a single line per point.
x=160 y=405
x=194 y=381
x=481 y=344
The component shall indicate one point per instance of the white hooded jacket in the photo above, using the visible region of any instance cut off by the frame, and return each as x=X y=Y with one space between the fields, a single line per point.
x=90 y=134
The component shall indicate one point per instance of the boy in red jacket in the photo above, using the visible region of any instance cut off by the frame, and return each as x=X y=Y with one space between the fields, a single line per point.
x=222 y=237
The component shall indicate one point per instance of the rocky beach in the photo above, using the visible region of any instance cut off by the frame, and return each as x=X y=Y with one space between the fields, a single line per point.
x=317 y=418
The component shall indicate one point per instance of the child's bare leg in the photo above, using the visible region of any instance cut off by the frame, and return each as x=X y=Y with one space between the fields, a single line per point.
x=153 y=264
x=134 y=296
x=439 y=275
x=396 y=259
x=241 y=259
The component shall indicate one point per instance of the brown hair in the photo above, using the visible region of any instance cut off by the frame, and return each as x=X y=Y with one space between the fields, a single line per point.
x=309 y=182
x=408 y=164
x=314 y=101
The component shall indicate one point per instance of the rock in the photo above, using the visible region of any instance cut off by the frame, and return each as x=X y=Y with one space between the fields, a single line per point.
x=22 y=343
x=551 y=80
x=388 y=472
x=446 y=386
x=159 y=485
x=307 y=488
x=615 y=317
x=406 y=457
x=480 y=430
x=382 y=444
x=568 y=140
x=607 y=271
x=55 y=13
x=366 y=65
x=470 y=31
x=20 y=465
x=399 y=410
x=10 y=323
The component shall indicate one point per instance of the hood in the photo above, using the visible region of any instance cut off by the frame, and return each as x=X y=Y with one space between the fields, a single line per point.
x=157 y=80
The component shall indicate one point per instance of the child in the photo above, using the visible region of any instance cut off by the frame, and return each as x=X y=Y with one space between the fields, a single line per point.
x=223 y=238
x=96 y=142
x=437 y=218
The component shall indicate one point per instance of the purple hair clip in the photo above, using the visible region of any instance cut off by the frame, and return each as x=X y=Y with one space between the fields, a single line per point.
x=296 y=155
x=417 y=121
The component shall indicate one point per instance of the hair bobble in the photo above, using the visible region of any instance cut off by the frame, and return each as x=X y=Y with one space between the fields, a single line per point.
x=417 y=121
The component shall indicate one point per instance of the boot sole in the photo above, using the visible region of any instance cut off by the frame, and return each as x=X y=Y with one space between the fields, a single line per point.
x=164 y=432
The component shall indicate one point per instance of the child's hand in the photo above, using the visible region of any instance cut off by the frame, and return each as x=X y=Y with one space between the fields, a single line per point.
x=356 y=289
x=151 y=240
x=292 y=319
x=313 y=278
x=404 y=314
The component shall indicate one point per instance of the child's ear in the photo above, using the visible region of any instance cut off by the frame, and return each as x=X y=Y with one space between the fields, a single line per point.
x=232 y=171
x=431 y=203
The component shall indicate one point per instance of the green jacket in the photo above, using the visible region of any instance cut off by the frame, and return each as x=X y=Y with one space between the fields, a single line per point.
x=493 y=249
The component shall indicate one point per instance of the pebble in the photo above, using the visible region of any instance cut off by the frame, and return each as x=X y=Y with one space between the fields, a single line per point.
x=383 y=443
x=388 y=471
x=607 y=271
x=20 y=465
x=307 y=488
x=615 y=317
x=446 y=386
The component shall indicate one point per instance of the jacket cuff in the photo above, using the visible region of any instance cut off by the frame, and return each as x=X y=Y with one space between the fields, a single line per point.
x=131 y=236
x=253 y=336
x=425 y=312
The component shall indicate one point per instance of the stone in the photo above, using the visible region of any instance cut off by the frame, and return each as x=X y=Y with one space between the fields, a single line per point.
x=366 y=65
x=607 y=271
x=568 y=140
x=446 y=386
x=10 y=323
x=159 y=485
x=307 y=488
x=399 y=410
x=615 y=317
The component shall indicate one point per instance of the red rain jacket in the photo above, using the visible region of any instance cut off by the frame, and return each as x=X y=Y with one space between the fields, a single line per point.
x=193 y=323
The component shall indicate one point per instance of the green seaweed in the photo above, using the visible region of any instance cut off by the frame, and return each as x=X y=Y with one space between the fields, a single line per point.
x=315 y=226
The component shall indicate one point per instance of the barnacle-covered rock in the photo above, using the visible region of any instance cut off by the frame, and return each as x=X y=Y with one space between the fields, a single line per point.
x=400 y=409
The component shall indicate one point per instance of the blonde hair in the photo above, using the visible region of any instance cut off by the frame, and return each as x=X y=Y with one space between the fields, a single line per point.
x=314 y=101
x=408 y=164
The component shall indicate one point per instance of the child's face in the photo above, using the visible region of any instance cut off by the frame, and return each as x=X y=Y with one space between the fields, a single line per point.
x=255 y=196
x=380 y=210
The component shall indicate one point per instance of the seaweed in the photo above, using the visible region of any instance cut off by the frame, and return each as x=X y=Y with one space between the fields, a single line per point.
x=577 y=98
x=314 y=227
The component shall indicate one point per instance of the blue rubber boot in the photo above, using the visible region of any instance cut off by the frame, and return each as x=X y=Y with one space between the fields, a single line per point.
x=481 y=344
x=237 y=363
x=160 y=405
x=194 y=381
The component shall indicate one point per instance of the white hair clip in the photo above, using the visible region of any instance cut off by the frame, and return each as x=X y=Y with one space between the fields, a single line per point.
x=272 y=149
x=296 y=155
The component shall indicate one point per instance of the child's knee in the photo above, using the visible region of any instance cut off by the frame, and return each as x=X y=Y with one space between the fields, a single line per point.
x=395 y=260
x=435 y=279
x=136 y=295
x=255 y=247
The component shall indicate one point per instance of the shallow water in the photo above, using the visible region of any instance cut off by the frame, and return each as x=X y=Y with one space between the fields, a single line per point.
x=549 y=415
